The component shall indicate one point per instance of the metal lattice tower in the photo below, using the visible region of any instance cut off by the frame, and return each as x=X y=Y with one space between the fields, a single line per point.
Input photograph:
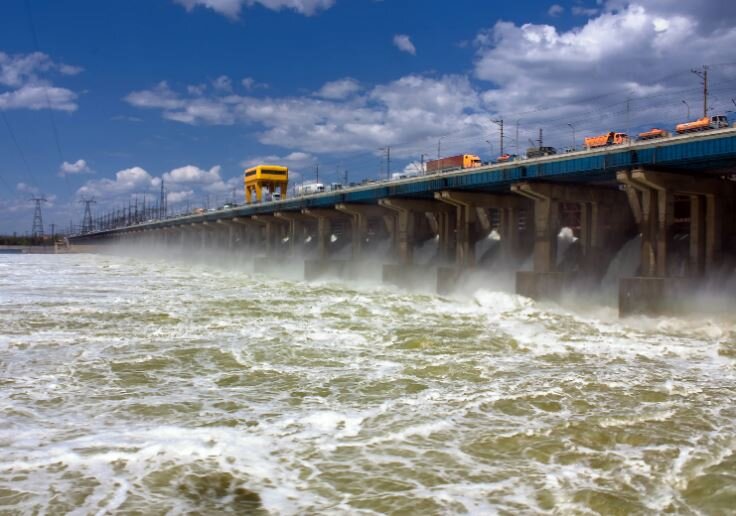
x=87 y=223
x=37 y=230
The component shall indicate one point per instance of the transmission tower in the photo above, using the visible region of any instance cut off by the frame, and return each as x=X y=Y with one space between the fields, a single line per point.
x=87 y=224
x=37 y=230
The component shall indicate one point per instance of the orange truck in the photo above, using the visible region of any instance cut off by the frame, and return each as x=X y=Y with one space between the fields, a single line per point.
x=653 y=134
x=604 y=140
x=453 y=162
x=703 y=124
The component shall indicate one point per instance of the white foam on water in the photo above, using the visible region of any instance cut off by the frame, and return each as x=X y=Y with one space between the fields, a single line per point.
x=127 y=382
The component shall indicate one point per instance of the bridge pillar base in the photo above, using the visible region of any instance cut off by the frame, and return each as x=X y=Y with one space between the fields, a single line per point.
x=542 y=285
x=652 y=295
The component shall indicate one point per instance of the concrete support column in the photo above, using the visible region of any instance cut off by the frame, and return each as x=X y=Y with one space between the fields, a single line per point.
x=696 y=261
x=546 y=224
x=272 y=226
x=596 y=238
x=546 y=227
x=360 y=214
x=714 y=230
x=228 y=233
x=470 y=226
x=447 y=233
x=407 y=211
x=665 y=218
x=297 y=230
x=253 y=231
x=651 y=197
x=324 y=228
x=509 y=232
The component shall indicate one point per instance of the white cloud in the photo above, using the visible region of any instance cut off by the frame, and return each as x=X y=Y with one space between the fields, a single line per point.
x=231 y=8
x=294 y=160
x=66 y=69
x=546 y=76
x=533 y=73
x=26 y=188
x=161 y=96
x=340 y=89
x=126 y=118
x=410 y=109
x=193 y=174
x=128 y=181
x=25 y=88
x=39 y=97
x=180 y=196
x=403 y=43
x=555 y=10
x=584 y=11
x=19 y=69
x=196 y=89
x=78 y=167
x=223 y=83
x=186 y=183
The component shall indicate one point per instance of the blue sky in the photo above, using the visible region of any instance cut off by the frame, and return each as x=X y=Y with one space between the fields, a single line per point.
x=104 y=99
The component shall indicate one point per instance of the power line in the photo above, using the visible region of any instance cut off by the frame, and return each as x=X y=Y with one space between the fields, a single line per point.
x=52 y=120
x=19 y=149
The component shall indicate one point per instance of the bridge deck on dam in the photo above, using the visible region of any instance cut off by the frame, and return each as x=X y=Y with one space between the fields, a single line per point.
x=712 y=152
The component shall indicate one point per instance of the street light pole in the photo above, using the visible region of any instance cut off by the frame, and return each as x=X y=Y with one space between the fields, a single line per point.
x=704 y=76
x=688 y=109
x=489 y=142
x=499 y=123
x=573 y=136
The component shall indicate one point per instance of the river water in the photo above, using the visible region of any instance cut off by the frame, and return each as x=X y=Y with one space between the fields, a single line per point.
x=155 y=387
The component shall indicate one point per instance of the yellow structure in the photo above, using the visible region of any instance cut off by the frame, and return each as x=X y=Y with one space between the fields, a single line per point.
x=265 y=176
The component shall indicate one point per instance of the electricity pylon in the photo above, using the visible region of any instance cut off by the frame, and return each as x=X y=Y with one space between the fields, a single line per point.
x=37 y=231
x=87 y=224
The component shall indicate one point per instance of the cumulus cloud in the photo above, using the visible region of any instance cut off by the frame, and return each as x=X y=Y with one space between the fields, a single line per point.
x=584 y=11
x=22 y=76
x=403 y=43
x=127 y=181
x=339 y=89
x=193 y=174
x=555 y=10
x=39 y=97
x=531 y=75
x=26 y=188
x=631 y=50
x=296 y=161
x=231 y=8
x=179 y=196
x=410 y=109
x=186 y=183
x=223 y=83
x=78 y=167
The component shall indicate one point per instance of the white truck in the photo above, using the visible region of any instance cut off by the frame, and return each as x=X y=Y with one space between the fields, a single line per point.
x=309 y=188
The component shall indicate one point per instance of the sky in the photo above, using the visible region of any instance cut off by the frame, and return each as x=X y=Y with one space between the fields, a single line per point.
x=105 y=100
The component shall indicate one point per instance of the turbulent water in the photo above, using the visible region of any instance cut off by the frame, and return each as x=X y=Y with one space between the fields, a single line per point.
x=154 y=387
